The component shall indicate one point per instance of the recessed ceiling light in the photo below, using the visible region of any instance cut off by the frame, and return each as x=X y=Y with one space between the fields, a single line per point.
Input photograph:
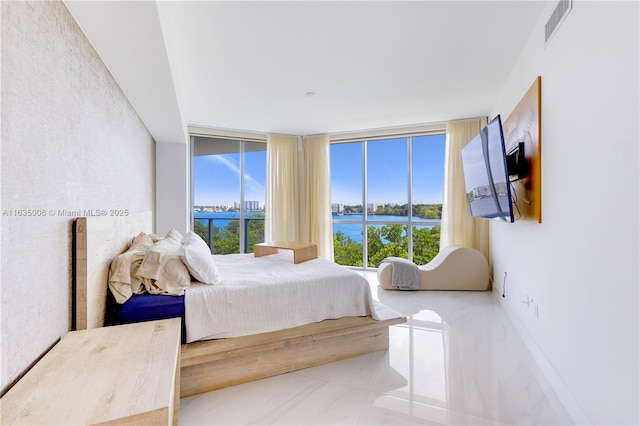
x=310 y=94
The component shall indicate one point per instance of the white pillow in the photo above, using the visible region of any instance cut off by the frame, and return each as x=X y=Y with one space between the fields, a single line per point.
x=196 y=255
x=162 y=271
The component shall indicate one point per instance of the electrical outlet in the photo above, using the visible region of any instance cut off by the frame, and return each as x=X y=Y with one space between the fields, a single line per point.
x=504 y=285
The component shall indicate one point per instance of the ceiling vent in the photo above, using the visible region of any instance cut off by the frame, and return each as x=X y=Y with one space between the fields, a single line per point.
x=559 y=14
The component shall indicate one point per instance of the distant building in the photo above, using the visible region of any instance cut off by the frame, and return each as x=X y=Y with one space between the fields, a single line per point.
x=254 y=205
x=481 y=191
x=337 y=208
x=501 y=189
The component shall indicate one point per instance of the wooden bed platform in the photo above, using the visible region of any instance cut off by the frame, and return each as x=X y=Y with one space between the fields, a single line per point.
x=215 y=364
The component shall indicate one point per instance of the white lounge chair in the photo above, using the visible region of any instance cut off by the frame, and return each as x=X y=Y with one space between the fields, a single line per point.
x=453 y=268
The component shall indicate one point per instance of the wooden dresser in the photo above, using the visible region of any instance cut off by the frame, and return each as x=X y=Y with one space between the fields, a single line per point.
x=127 y=374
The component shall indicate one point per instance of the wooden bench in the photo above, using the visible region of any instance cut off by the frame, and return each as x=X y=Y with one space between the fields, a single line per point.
x=126 y=375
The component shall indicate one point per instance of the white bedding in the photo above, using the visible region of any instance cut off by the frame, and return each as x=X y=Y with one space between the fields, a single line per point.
x=269 y=293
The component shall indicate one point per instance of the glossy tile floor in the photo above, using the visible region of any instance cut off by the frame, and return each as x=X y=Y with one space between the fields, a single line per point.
x=458 y=360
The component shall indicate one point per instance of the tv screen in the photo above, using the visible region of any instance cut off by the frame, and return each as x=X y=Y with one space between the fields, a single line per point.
x=485 y=174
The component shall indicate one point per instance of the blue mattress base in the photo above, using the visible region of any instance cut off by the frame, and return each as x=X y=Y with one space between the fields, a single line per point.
x=145 y=307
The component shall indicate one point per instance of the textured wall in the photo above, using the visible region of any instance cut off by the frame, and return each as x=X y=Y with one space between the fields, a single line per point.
x=70 y=142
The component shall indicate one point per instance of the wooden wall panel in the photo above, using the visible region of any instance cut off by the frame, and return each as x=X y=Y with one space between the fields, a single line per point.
x=524 y=124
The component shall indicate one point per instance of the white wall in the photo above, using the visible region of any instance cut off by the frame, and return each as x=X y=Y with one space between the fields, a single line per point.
x=580 y=265
x=172 y=182
x=70 y=142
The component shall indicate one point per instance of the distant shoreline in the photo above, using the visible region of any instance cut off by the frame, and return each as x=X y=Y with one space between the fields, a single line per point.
x=350 y=226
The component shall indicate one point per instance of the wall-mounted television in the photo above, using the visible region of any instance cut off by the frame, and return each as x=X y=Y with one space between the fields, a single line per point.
x=486 y=177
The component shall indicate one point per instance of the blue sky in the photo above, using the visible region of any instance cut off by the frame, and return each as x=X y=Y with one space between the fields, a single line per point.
x=387 y=171
x=217 y=177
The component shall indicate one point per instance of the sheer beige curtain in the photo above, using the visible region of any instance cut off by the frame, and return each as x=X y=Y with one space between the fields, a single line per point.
x=315 y=210
x=457 y=226
x=282 y=196
x=298 y=195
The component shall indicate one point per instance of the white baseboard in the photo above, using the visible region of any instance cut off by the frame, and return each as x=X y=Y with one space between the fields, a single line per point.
x=573 y=407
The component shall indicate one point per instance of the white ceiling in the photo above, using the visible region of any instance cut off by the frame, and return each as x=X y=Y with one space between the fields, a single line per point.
x=248 y=65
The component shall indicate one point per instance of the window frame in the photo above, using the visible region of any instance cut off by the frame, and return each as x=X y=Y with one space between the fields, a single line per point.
x=239 y=136
x=365 y=137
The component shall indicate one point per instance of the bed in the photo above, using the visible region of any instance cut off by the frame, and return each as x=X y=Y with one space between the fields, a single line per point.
x=215 y=363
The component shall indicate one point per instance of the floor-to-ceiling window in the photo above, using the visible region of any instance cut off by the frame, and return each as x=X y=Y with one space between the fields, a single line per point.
x=228 y=193
x=386 y=196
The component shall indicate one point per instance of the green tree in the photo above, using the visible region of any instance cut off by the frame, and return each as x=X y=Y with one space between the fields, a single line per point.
x=386 y=241
x=227 y=241
x=346 y=251
x=256 y=231
x=200 y=227
x=426 y=244
x=428 y=211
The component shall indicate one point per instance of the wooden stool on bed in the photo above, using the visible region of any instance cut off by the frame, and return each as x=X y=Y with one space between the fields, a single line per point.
x=301 y=251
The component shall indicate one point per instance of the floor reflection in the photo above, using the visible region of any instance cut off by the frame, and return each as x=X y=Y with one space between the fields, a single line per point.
x=457 y=360
x=418 y=351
